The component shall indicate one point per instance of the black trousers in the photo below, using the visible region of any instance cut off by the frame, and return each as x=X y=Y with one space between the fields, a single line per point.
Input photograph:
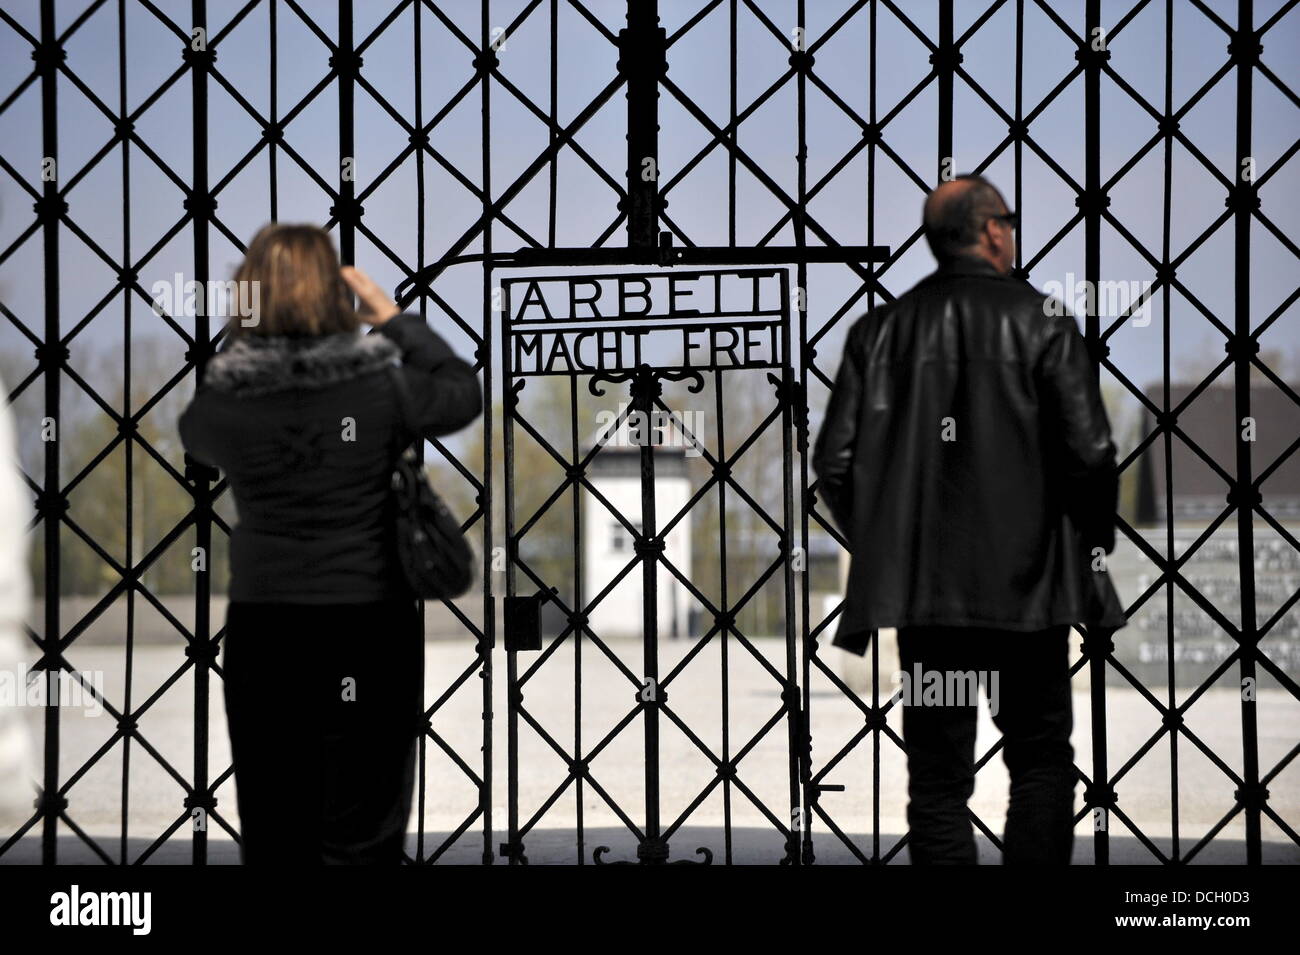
x=324 y=708
x=1034 y=714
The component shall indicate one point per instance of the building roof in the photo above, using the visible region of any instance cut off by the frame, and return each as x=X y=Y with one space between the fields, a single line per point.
x=620 y=448
x=1210 y=421
x=617 y=461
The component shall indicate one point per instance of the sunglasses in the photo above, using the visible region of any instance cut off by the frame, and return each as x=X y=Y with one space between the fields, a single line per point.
x=1010 y=218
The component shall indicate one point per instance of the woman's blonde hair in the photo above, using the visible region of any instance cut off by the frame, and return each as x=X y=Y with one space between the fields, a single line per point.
x=300 y=290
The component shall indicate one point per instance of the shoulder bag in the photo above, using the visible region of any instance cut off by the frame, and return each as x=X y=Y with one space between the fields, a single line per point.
x=435 y=556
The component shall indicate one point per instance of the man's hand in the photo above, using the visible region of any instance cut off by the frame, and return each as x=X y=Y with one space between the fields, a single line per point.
x=376 y=307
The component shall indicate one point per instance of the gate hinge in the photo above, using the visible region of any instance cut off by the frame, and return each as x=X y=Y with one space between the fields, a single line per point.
x=790 y=394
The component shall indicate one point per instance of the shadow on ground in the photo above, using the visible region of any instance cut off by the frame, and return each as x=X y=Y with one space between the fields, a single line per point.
x=559 y=847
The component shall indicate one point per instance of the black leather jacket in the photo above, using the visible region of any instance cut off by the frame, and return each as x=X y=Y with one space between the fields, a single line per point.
x=966 y=457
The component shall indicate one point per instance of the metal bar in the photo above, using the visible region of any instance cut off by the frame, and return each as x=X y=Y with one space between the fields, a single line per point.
x=1019 y=147
x=790 y=395
x=422 y=737
x=871 y=301
x=1092 y=207
x=945 y=60
x=200 y=206
x=724 y=604
x=794 y=391
x=1092 y=204
x=1251 y=796
x=346 y=64
x=652 y=849
x=554 y=117
x=129 y=447
x=1166 y=356
x=51 y=801
x=732 y=107
x=690 y=255
x=1171 y=676
x=579 y=601
x=642 y=51
x=489 y=322
x=513 y=849
x=273 y=151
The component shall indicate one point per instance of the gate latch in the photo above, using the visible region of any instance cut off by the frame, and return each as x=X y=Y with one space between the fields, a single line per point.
x=523 y=621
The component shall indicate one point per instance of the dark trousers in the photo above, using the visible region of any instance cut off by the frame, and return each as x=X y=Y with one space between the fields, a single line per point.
x=1035 y=718
x=324 y=705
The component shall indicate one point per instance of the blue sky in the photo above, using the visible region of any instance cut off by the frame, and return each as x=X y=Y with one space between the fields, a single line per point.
x=698 y=64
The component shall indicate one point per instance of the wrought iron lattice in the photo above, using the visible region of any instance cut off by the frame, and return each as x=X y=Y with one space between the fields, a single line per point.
x=1092 y=39
x=652 y=44
x=648 y=529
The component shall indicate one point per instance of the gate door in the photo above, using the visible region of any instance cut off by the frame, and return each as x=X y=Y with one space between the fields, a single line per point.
x=651 y=663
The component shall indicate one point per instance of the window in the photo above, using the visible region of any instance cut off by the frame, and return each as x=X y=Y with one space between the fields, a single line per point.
x=620 y=540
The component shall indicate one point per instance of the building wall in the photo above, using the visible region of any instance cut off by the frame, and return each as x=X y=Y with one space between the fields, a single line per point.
x=606 y=552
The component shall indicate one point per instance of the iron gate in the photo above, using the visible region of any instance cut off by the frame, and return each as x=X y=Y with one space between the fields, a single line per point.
x=550 y=344
x=627 y=50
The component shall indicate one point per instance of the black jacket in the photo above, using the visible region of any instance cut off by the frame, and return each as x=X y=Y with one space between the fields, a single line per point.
x=307 y=430
x=967 y=459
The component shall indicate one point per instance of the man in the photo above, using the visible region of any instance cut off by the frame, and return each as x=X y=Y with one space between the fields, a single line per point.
x=967 y=459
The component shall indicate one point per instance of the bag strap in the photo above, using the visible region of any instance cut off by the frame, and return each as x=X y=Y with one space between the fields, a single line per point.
x=403 y=396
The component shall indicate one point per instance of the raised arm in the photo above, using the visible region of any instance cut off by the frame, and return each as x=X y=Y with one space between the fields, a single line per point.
x=444 y=390
x=444 y=393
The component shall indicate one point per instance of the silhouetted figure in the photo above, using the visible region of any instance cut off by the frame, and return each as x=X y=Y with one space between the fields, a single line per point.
x=967 y=458
x=323 y=648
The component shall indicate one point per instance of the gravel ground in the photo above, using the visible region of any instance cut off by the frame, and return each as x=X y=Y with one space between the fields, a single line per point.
x=1204 y=792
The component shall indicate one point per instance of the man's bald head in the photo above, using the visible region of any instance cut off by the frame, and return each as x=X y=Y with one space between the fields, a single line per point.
x=955 y=215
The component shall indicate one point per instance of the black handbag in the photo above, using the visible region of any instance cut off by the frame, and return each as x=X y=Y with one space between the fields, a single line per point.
x=435 y=556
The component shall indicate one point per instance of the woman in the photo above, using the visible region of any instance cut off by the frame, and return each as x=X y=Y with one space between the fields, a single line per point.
x=323 y=648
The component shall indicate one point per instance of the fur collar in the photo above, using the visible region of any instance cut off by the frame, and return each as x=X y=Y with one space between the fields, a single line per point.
x=263 y=364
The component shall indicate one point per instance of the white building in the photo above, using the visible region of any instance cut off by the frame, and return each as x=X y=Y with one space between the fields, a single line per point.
x=608 y=546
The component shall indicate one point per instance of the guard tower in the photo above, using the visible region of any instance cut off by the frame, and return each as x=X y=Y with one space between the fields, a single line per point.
x=609 y=545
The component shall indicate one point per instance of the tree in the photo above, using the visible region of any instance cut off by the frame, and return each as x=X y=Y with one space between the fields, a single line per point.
x=98 y=501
